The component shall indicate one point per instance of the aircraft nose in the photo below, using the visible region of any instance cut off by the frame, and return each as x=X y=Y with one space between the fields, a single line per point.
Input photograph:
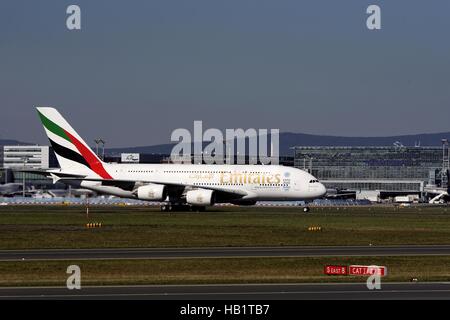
x=322 y=190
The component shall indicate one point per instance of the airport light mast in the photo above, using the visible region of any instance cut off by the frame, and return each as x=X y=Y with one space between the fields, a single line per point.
x=445 y=162
x=97 y=142
x=24 y=159
x=103 y=150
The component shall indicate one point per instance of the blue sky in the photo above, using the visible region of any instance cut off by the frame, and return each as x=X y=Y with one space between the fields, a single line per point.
x=140 y=69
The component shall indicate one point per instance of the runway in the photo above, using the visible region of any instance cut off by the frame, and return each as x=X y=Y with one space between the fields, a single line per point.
x=343 y=291
x=220 y=252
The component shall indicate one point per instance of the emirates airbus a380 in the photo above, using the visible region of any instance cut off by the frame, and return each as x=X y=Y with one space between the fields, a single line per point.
x=176 y=185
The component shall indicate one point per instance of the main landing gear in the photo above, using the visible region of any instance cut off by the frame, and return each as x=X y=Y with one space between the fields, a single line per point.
x=166 y=207
x=170 y=207
x=306 y=209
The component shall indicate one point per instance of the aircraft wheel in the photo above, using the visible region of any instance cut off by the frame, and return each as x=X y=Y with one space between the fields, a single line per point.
x=306 y=209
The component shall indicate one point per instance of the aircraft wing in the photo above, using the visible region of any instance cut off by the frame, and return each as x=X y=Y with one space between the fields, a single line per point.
x=58 y=177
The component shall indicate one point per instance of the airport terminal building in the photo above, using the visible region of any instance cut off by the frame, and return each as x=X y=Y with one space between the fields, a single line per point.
x=391 y=169
x=29 y=156
x=20 y=157
x=385 y=171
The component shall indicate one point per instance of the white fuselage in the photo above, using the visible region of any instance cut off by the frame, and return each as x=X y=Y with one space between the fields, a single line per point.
x=179 y=184
x=257 y=182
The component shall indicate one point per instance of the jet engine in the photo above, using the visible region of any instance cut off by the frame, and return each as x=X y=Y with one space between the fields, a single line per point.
x=152 y=192
x=201 y=197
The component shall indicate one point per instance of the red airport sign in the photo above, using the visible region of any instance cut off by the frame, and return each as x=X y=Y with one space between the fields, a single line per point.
x=335 y=270
x=354 y=270
x=357 y=270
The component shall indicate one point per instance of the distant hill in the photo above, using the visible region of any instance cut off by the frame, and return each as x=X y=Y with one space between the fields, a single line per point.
x=289 y=140
x=8 y=142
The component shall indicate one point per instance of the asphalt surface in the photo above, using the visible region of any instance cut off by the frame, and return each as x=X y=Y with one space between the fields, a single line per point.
x=352 y=291
x=221 y=252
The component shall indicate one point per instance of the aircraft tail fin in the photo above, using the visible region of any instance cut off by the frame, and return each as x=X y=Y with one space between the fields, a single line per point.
x=73 y=154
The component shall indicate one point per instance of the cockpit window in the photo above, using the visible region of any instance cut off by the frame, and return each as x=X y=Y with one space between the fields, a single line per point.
x=313 y=181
